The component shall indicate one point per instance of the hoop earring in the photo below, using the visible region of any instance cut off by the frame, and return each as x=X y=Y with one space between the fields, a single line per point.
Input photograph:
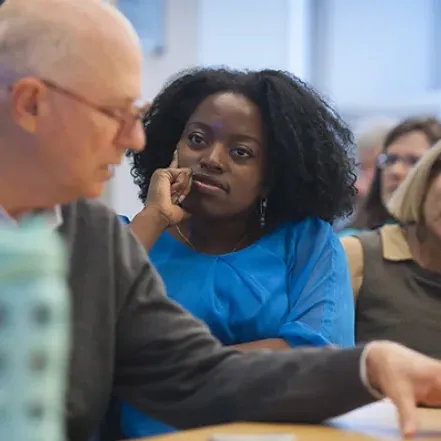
x=262 y=212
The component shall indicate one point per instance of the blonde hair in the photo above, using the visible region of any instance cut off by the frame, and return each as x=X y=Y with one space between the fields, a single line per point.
x=406 y=203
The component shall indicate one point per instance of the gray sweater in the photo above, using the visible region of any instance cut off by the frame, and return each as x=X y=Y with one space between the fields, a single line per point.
x=131 y=341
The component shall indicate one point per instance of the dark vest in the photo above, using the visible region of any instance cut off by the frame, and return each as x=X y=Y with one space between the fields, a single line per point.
x=398 y=300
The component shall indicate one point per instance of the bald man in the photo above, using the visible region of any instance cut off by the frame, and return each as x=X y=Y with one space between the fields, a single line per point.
x=70 y=72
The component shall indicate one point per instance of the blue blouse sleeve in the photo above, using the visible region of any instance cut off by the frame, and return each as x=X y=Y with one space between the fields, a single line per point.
x=321 y=305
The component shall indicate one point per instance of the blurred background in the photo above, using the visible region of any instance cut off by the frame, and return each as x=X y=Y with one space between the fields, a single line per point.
x=375 y=60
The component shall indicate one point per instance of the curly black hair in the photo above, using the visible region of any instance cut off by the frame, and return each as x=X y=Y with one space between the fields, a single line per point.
x=311 y=168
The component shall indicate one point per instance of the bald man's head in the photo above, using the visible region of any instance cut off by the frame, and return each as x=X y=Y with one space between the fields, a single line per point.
x=60 y=38
x=70 y=72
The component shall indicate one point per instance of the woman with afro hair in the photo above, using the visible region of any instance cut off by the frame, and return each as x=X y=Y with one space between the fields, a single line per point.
x=255 y=257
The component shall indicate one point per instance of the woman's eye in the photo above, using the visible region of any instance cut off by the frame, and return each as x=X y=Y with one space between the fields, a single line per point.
x=241 y=153
x=196 y=138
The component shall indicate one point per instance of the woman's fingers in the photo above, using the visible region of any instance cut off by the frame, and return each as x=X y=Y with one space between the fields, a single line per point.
x=181 y=186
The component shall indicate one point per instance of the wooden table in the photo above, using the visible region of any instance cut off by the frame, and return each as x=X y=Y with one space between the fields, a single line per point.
x=375 y=422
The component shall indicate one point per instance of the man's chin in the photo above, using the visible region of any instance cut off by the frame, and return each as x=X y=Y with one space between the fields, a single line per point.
x=94 y=191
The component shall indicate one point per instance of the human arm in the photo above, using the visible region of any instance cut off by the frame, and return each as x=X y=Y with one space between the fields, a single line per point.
x=404 y=376
x=184 y=377
x=169 y=365
x=320 y=302
x=274 y=344
x=320 y=307
x=148 y=225
x=167 y=189
x=354 y=254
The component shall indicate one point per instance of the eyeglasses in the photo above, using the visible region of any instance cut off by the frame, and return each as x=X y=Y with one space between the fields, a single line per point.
x=127 y=119
x=384 y=160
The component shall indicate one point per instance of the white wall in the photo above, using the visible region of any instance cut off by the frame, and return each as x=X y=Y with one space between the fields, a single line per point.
x=378 y=50
x=255 y=34
x=248 y=34
x=299 y=38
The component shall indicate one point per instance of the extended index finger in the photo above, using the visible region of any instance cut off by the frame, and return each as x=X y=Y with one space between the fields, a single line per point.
x=404 y=399
x=174 y=163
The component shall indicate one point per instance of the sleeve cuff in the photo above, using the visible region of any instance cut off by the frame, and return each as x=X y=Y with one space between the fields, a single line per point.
x=297 y=334
x=364 y=376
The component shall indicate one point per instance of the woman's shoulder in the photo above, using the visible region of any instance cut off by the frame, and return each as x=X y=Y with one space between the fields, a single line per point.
x=309 y=241
x=309 y=229
x=305 y=238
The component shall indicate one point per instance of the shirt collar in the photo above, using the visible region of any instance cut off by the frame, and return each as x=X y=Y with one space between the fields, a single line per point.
x=53 y=217
x=395 y=246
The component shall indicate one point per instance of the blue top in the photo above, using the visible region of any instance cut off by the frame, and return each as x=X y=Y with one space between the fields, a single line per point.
x=293 y=284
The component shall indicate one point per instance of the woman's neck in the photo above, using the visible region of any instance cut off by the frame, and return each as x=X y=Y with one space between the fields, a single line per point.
x=426 y=250
x=212 y=236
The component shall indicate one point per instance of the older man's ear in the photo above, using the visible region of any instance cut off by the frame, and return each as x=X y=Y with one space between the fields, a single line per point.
x=26 y=98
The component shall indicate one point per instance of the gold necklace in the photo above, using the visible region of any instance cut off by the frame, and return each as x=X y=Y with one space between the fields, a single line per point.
x=188 y=241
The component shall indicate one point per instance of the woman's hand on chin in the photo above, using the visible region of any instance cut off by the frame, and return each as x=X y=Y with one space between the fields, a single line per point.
x=168 y=189
x=163 y=206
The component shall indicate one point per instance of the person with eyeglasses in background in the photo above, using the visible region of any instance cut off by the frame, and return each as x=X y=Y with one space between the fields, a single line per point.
x=369 y=139
x=70 y=72
x=396 y=270
x=403 y=148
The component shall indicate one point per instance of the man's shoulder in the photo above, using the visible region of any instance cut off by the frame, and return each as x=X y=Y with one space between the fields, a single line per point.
x=87 y=208
x=86 y=223
x=86 y=214
x=90 y=224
